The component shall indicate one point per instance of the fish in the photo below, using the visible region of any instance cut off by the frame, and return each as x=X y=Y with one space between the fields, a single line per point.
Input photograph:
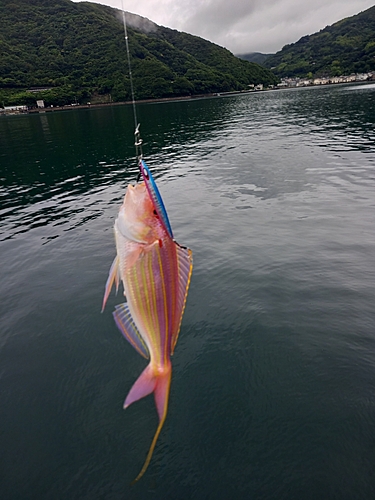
x=155 y=272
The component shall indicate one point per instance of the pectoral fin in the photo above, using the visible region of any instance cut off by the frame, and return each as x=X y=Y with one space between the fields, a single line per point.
x=114 y=276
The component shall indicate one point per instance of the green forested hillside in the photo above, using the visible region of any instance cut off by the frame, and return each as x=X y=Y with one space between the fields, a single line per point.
x=257 y=57
x=78 y=50
x=347 y=46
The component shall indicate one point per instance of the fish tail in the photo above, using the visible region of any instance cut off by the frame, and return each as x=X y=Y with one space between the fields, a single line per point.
x=157 y=381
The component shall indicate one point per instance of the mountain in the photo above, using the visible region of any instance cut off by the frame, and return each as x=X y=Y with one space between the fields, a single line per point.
x=347 y=46
x=256 y=57
x=77 y=51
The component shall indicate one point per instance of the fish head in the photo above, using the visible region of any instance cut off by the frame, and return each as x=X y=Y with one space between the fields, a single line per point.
x=138 y=220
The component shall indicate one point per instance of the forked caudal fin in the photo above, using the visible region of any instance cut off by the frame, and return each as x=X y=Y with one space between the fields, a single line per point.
x=157 y=380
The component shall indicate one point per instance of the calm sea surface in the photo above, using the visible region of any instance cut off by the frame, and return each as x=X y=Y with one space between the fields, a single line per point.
x=273 y=389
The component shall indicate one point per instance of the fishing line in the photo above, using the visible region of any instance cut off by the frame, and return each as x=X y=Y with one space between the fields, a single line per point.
x=137 y=134
x=143 y=169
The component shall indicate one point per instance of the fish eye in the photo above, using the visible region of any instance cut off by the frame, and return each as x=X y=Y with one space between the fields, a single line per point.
x=155 y=212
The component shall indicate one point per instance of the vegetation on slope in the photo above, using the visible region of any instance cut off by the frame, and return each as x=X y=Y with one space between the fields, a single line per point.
x=78 y=51
x=347 y=46
x=257 y=57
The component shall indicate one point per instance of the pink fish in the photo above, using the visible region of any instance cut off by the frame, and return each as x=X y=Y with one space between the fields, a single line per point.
x=155 y=272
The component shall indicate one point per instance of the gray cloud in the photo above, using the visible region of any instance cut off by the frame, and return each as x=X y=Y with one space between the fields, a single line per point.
x=245 y=25
x=138 y=22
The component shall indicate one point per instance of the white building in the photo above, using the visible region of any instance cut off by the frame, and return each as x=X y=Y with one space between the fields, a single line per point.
x=12 y=110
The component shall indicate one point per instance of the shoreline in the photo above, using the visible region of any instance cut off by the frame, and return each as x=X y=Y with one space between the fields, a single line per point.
x=70 y=107
x=139 y=101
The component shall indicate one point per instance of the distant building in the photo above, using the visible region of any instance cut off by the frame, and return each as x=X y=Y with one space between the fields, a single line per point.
x=40 y=104
x=304 y=83
x=20 y=107
x=360 y=77
x=320 y=81
x=336 y=79
x=15 y=109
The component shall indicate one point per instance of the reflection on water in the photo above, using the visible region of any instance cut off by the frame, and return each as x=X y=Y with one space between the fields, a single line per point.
x=272 y=393
x=339 y=118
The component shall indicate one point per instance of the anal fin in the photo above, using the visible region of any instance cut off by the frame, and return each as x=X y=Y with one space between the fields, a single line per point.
x=126 y=325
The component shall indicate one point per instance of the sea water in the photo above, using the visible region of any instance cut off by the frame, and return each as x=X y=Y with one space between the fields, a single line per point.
x=273 y=387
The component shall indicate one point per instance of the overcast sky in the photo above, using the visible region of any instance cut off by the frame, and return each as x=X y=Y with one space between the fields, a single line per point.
x=245 y=25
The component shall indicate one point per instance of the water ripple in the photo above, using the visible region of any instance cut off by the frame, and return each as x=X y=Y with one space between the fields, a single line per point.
x=272 y=383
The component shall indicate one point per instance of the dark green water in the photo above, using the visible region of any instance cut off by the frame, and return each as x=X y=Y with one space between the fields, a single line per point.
x=273 y=390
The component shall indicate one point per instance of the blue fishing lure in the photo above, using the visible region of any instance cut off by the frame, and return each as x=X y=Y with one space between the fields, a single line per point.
x=155 y=196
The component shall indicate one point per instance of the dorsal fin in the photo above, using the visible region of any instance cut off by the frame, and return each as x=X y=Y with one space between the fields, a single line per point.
x=185 y=268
